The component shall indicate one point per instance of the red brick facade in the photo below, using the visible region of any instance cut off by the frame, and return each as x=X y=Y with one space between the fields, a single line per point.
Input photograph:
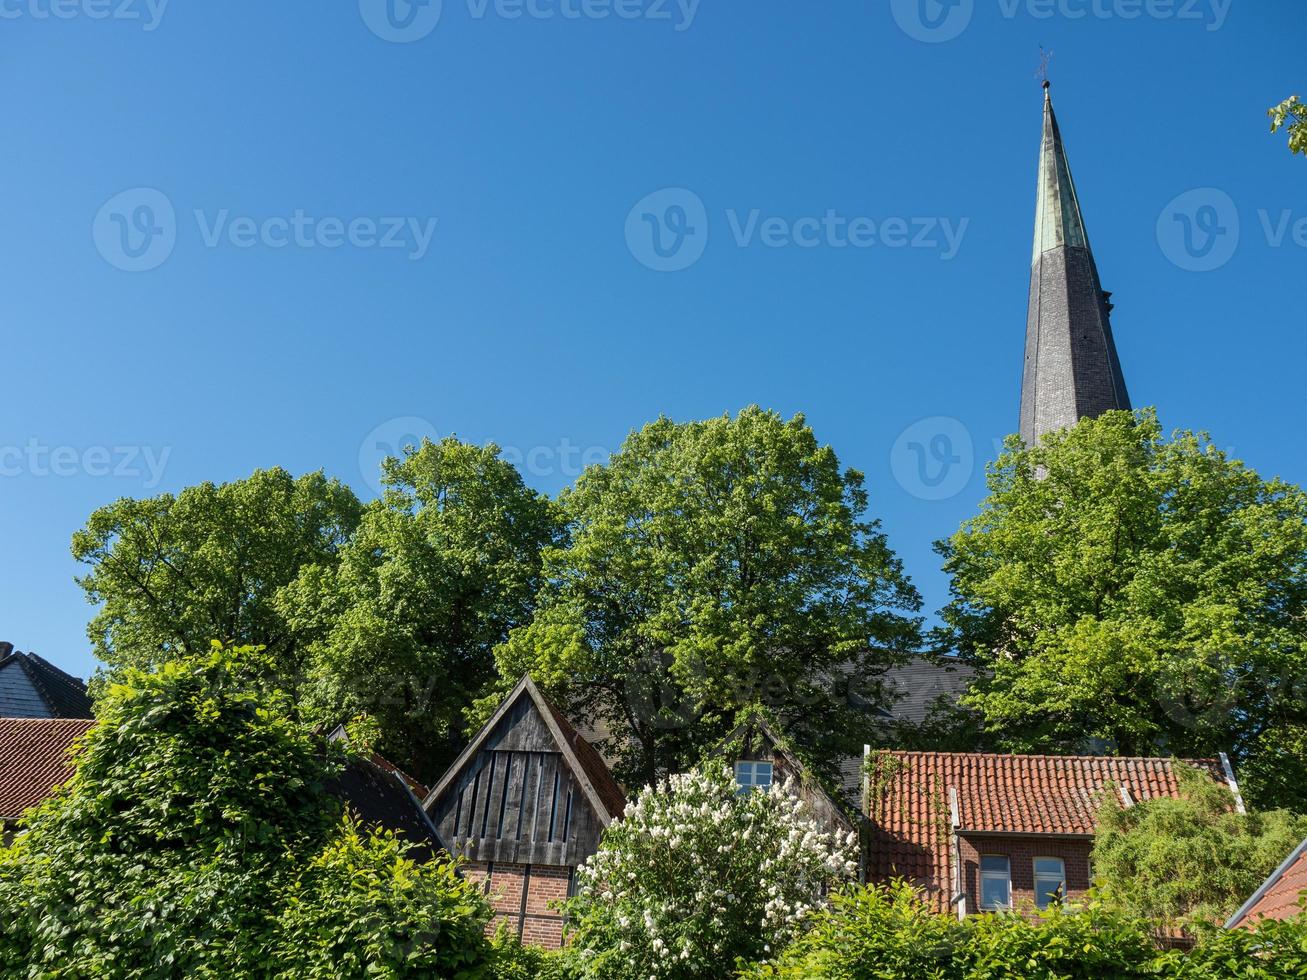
x=1019 y=806
x=1021 y=853
x=534 y=916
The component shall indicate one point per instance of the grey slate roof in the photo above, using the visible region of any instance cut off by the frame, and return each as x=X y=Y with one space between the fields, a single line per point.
x=31 y=687
x=380 y=794
x=918 y=686
x=380 y=797
x=919 y=683
x=1071 y=370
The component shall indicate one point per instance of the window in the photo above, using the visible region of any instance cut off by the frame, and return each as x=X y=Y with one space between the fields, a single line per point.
x=995 y=882
x=1050 y=881
x=752 y=775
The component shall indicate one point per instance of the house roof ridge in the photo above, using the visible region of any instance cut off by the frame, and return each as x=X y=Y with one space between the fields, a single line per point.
x=1049 y=755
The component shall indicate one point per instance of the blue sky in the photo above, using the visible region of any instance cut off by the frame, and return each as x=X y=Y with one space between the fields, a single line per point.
x=246 y=234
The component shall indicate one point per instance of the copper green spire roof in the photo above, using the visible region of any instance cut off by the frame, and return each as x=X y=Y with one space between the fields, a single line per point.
x=1071 y=367
x=1058 y=220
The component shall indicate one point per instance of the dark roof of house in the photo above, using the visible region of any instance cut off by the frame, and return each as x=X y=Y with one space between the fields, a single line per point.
x=34 y=759
x=1280 y=895
x=32 y=687
x=914 y=794
x=914 y=686
x=377 y=794
x=920 y=683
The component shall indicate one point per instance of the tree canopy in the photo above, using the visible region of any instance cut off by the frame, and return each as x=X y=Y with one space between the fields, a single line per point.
x=1189 y=859
x=1144 y=593
x=1291 y=115
x=710 y=566
x=171 y=573
x=402 y=622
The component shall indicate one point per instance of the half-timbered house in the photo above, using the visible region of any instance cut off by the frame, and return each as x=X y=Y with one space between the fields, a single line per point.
x=525 y=804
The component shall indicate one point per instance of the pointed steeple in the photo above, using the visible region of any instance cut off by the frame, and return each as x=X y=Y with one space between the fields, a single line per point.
x=1071 y=368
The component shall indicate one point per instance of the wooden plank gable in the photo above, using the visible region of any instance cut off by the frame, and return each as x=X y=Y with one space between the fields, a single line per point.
x=518 y=794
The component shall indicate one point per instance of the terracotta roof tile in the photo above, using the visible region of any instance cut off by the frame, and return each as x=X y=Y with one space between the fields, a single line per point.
x=34 y=759
x=1281 y=894
x=1010 y=794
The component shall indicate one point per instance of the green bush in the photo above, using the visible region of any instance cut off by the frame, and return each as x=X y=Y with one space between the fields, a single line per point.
x=1275 y=951
x=1189 y=859
x=361 y=908
x=514 y=961
x=887 y=933
x=196 y=838
x=881 y=933
x=1077 y=944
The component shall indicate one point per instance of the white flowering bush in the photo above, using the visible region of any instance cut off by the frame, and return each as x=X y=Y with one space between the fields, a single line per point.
x=694 y=876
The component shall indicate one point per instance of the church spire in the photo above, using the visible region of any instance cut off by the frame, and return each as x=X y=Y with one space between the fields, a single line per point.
x=1071 y=367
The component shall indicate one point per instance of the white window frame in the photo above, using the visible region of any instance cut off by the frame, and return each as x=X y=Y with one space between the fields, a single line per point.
x=1048 y=878
x=1005 y=877
x=749 y=774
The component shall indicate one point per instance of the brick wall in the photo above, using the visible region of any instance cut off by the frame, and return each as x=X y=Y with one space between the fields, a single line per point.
x=1021 y=853
x=525 y=897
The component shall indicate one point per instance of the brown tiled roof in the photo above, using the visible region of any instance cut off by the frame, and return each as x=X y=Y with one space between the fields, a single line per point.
x=1280 y=895
x=34 y=759
x=1006 y=794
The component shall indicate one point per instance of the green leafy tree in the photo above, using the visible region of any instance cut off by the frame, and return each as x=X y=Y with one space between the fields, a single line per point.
x=403 y=621
x=696 y=875
x=197 y=837
x=1144 y=592
x=1291 y=115
x=173 y=573
x=711 y=566
x=1195 y=858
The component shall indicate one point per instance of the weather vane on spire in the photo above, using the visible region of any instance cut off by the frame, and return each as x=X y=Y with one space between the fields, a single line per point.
x=1042 y=73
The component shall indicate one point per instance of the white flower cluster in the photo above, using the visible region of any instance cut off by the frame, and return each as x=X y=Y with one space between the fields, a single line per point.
x=695 y=874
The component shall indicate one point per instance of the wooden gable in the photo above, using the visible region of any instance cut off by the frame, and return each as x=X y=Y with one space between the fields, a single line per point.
x=526 y=791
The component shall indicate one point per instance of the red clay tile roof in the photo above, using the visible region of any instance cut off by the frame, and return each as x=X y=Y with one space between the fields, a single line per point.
x=1280 y=895
x=1011 y=794
x=34 y=759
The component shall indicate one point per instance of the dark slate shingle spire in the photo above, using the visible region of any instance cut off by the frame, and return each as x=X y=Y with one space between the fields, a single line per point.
x=1071 y=369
